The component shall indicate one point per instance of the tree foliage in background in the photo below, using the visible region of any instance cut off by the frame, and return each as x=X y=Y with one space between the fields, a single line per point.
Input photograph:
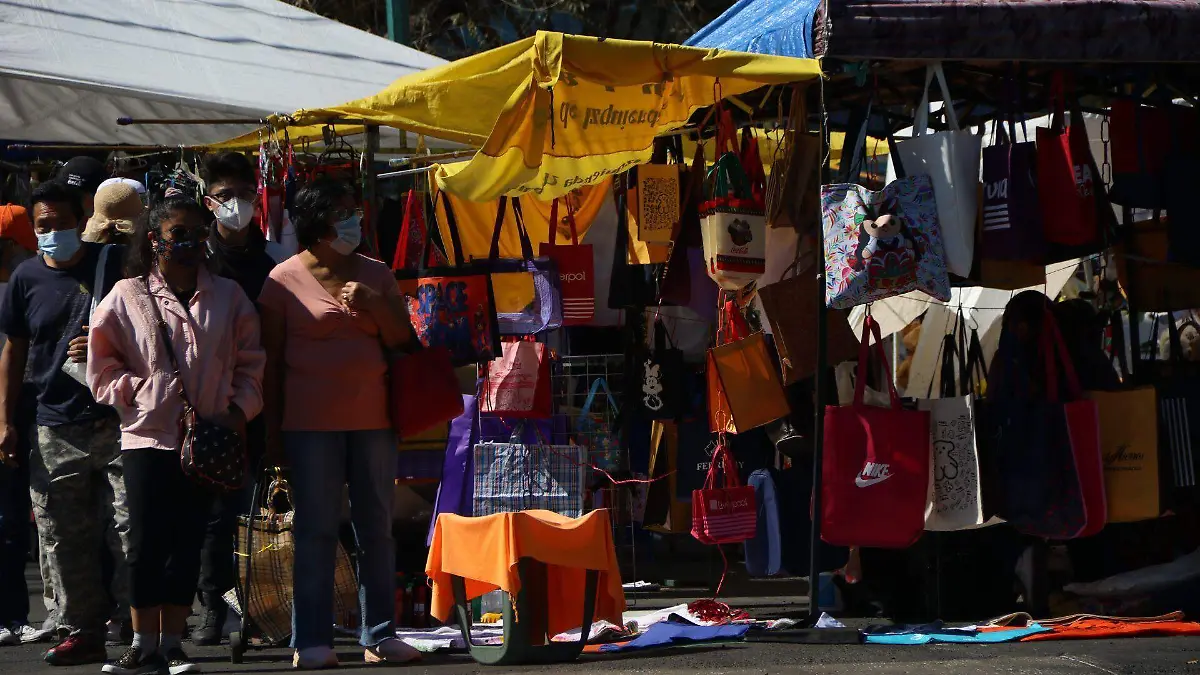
x=453 y=29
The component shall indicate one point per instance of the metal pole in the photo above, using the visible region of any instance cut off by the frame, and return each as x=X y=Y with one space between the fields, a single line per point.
x=397 y=21
x=820 y=381
x=128 y=121
x=370 y=185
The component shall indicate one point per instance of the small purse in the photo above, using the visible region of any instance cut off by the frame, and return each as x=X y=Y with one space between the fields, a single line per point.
x=211 y=455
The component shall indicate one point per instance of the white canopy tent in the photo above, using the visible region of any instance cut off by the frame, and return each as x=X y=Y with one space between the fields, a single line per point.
x=68 y=70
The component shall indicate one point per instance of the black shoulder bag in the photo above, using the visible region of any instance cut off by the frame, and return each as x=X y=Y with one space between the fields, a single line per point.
x=211 y=455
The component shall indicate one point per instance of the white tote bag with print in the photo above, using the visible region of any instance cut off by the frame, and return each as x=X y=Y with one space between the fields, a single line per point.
x=951 y=159
x=955 y=501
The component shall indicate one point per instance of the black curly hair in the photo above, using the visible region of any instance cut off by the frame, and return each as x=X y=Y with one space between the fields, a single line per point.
x=140 y=259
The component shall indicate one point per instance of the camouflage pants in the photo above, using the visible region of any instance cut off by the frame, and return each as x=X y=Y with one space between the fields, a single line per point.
x=78 y=493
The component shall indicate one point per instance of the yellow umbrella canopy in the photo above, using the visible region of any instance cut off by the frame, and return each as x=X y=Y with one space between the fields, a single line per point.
x=553 y=112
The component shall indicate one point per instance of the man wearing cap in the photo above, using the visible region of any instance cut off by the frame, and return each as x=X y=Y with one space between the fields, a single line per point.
x=76 y=483
x=17 y=244
x=85 y=174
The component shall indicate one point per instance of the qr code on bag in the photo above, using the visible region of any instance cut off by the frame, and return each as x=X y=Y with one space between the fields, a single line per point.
x=658 y=199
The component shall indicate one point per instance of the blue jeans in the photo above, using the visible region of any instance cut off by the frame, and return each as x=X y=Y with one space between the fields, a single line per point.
x=321 y=462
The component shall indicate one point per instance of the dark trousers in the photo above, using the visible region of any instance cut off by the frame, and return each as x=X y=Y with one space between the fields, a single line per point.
x=15 y=507
x=168 y=514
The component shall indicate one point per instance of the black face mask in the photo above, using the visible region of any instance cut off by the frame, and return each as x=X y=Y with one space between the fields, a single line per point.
x=189 y=252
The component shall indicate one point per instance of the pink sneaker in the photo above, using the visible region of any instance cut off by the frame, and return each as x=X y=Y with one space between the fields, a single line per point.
x=391 y=650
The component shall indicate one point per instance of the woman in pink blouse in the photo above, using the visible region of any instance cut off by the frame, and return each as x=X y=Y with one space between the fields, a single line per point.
x=329 y=314
x=214 y=332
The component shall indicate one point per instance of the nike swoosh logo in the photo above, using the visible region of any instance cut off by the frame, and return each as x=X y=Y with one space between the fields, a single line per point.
x=868 y=482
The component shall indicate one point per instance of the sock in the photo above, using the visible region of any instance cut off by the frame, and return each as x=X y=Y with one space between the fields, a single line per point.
x=145 y=643
x=169 y=642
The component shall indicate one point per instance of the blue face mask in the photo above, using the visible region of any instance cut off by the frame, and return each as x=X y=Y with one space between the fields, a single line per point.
x=349 y=235
x=59 y=245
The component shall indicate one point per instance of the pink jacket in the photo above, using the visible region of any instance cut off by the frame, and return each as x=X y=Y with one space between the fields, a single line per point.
x=216 y=340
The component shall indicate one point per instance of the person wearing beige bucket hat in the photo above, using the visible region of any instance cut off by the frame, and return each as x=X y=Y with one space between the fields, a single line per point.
x=118 y=209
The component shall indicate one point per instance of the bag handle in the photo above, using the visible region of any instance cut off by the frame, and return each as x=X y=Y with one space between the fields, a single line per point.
x=598 y=384
x=871 y=328
x=1052 y=347
x=455 y=240
x=554 y=222
x=401 y=255
x=921 y=124
x=1116 y=327
x=734 y=323
x=522 y=234
x=728 y=465
x=752 y=164
x=976 y=363
x=661 y=337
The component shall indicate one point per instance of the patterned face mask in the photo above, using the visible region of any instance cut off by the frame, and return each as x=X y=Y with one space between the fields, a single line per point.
x=187 y=252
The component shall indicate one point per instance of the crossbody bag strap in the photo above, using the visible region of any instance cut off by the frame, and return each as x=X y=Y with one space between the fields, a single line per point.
x=165 y=332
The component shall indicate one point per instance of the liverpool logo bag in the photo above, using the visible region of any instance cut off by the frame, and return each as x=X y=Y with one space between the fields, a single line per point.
x=875 y=468
x=728 y=514
x=576 y=269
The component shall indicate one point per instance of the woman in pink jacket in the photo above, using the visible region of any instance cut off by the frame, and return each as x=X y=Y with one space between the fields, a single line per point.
x=214 y=332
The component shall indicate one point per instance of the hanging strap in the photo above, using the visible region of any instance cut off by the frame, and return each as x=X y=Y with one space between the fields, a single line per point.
x=455 y=240
x=165 y=332
x=598 y=384
x=871 y=328
x=1116 y=327
x=570 y=222
x=661 y=338
x=976 y=363
x=921 y=124
x=522 y=234
x=1054 y=351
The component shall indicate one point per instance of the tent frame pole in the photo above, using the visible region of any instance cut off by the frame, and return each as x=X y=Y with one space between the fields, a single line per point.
x=820 y=381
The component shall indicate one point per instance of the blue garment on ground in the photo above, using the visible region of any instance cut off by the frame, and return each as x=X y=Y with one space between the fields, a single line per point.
x=906 y=636
x=779 y=27
x=673 y=634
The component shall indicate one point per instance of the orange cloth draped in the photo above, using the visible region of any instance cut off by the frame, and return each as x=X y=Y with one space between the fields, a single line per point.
x=1087 y=627
x=484 y=552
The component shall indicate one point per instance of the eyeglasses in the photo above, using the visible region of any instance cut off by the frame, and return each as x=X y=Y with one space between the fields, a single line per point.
x=346 y=214
x=225 y=195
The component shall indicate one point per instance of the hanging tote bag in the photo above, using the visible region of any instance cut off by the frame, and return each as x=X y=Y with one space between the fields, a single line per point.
x=744 y=391
x=1033 y=444
x=1129 y=447
x=1143 y=139
x=511 y=477
x=423 y=390
x=1179 y=423
x=882 y=244
x=875 y=467
x=576 y=270
x=764 y=552
x=728 y=514
x=735 y=224
x=955 y=493
x=1012 y=216
x=454 y=306
x=951 y=160
x=791 y=305
x=1069 y=186
x=518 y=383
x=544 y=311
x=595 y=429
x=661 y=378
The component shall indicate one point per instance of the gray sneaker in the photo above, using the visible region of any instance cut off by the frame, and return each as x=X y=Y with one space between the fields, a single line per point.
x=29 y=635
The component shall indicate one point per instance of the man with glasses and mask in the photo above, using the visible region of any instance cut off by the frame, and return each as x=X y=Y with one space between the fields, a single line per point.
x=238 y=251
x=76 y=480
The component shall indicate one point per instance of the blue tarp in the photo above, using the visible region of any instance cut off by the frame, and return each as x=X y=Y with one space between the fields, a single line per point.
x=778 y=27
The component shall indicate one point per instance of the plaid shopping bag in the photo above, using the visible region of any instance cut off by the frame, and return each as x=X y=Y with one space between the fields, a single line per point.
x=515 y=477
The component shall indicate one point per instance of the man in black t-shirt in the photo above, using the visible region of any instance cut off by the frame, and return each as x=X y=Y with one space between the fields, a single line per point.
x=75 y=467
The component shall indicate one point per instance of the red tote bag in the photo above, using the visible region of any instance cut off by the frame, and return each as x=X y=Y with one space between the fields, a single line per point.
x=1083 y=427
x=423 y=391
x=1069 y=187
x=724 y=515
x=576 y=271
x=875 y=467
x=518 y=383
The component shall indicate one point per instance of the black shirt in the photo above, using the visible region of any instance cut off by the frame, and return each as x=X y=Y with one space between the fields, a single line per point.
x=49 y=306
x=248 y=265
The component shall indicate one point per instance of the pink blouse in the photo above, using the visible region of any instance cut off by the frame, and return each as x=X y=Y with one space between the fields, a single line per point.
x=335 y=372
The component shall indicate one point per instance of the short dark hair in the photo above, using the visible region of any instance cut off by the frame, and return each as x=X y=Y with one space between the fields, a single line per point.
x=57 y=192
x=225 y=166
x=315 y=204
x=140 y=259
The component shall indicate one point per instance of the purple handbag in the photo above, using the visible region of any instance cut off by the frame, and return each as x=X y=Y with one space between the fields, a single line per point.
x=1012 y=216
x=455 y=492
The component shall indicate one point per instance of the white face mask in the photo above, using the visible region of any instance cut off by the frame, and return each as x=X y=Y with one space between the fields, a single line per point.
x=349 y=235
x=234 y=214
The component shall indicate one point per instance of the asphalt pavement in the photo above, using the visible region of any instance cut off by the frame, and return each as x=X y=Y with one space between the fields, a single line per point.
x=1138 y=656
